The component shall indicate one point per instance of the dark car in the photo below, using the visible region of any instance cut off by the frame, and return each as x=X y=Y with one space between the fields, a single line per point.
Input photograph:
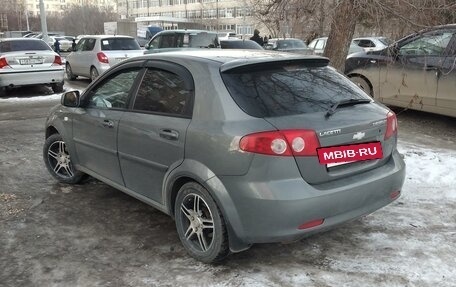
x=416 y=72
x=239 y=147
x=289 y=45
x=240 y=44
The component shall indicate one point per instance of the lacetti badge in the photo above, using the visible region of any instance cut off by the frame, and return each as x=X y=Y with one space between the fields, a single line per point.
x=359 y=135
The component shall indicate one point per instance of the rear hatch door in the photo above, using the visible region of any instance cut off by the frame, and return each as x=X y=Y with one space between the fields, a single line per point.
x=305 y=95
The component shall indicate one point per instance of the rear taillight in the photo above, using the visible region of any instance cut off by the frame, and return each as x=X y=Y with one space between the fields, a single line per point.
x=102 y=58
x=57 y=60
x=3 y=63
x=281 y=143
x=391 y=125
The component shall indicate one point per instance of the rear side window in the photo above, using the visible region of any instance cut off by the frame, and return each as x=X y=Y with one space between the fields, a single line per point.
x=275 y=90
x=119 y=44
x=162 y=92
x=89 y=44
x=23 y=45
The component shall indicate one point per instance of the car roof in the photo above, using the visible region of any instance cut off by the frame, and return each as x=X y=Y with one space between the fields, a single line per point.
x=106 y=36
x=19 y=39
x=228 y=59
x=186 y=31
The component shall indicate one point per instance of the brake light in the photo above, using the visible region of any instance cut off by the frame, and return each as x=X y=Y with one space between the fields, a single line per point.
x=312 y=223
x=57 y=61
x=391 y=125
x=3 y=63
x=282 y=143
x=102 y=58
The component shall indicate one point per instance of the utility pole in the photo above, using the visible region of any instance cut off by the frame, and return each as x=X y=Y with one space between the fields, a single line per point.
x=43 y=22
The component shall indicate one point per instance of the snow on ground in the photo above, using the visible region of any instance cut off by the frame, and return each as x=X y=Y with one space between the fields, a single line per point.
x=33 y=98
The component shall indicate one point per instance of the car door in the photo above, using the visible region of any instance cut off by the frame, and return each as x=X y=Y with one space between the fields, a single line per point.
x=446 y=88
x=74 y=59
x=87 y=56
x=409 y=78
x=152 y=134
x=96 y=123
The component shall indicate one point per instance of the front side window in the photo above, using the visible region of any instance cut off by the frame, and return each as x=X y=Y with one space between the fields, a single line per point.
x=162 y=92
x=113 y=92
x=429 y=44
x=282 y=89
x=89 y=44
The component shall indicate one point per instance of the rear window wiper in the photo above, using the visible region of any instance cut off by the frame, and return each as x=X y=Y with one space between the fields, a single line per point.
x=345 y=102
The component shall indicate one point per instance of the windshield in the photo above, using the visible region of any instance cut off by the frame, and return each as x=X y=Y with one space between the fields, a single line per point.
x=110 y=44
x=23 y=45
x=278 y=89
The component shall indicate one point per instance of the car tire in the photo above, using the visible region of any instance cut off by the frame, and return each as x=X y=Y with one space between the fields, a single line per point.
x=363 y=84
x=94 y=74
x=57 y=88
x=69 y=72
x=2 y=91
x=57 y=160
x=200 y=224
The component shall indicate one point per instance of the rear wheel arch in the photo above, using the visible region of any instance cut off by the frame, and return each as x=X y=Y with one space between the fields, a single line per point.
x=354 y=76
x=219 y=194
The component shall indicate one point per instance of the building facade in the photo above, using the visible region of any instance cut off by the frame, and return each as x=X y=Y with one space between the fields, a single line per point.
x=216 y=15
x=58 y=7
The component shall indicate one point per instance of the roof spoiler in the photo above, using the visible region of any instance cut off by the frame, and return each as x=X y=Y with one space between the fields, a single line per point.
x=256 y=63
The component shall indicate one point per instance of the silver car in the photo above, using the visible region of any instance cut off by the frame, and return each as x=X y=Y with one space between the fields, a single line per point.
x=29 y=61
x=318 y=46
x=239 y=147
x=95 y=54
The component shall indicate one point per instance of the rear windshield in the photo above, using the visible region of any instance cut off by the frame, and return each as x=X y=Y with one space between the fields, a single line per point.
x=288 y=44
x=111 y=44
x=247 y=44
x=200 y=40
x=284 y=89
x=23 y=45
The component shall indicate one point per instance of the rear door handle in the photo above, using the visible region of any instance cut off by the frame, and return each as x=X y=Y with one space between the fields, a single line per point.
x=169 y=134
x=108 y=124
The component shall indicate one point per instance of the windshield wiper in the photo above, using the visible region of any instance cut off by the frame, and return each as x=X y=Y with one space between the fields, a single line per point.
x=346 y=102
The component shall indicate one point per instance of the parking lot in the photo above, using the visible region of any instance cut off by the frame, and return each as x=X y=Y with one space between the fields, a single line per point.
x=93 y=235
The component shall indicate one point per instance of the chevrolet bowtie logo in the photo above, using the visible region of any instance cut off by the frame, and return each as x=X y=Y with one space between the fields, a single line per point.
x=359 y=135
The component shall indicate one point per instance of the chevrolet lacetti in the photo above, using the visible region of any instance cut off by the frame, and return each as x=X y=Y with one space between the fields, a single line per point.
x=239 y=147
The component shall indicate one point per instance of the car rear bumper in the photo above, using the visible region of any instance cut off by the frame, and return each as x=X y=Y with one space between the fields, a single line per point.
x=272 y=211
x=24 y=78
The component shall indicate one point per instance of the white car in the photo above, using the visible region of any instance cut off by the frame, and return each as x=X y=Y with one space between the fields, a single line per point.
x=96 y=54
x=372 y=43
x=65 y=45
x=318 y=46
x=29 y=61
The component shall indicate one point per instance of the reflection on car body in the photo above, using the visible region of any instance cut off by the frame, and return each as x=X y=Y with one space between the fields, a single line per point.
x=416 y=72
x=226 y=141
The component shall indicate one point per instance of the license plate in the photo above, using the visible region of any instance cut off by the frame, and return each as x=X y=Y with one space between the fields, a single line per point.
x=338 y=155
x=30 y=61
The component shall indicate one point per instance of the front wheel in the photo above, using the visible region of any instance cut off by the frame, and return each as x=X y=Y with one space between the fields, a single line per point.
x=363 y=84
x=57 y=160
x=69 y=72
x=200 y=224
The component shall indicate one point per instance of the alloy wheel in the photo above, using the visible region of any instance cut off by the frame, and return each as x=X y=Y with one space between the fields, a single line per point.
x=198 y=223
x=59 y=159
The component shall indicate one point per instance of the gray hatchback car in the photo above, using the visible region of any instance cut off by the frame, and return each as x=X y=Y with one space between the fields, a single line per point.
x=239 y=147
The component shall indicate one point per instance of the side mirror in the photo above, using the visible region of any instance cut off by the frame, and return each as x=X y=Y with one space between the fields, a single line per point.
x=70 y=99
